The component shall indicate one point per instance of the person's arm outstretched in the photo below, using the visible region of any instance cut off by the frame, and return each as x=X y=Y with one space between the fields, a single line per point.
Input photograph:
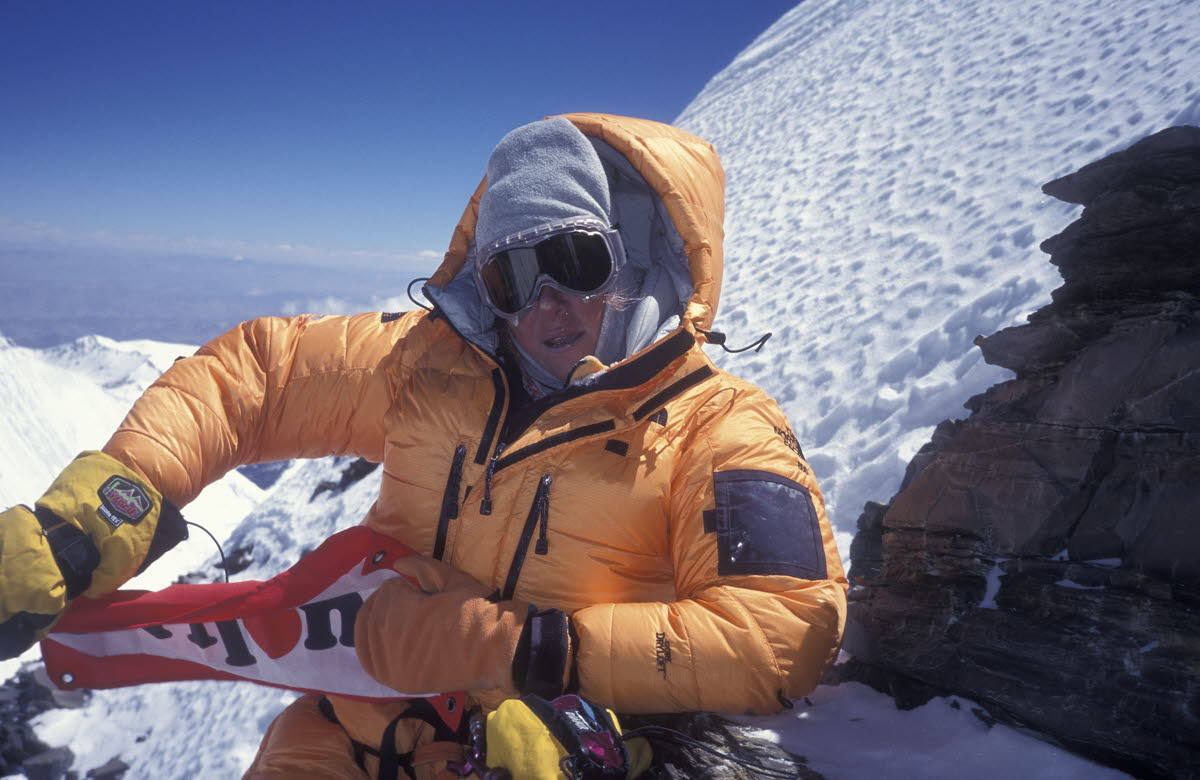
x=269 y=389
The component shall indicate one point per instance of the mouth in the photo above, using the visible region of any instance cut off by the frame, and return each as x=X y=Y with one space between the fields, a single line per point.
x=562 y=341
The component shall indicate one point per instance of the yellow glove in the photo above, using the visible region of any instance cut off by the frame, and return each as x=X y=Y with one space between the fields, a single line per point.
x=32 y=589
x=541 y=740
x=98 y=525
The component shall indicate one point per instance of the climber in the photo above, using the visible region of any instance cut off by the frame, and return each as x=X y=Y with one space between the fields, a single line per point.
x=598 y=508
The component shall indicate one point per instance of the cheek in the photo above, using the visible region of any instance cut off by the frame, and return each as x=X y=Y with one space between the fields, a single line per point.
x=520 y=334
x=594 y=313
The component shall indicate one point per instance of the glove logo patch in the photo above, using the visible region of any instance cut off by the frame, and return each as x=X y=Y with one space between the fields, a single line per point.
x=122 y=501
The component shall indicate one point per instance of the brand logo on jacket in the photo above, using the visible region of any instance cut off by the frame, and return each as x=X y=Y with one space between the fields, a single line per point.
x=793 y=444
x=662 y=652
x=121 y=501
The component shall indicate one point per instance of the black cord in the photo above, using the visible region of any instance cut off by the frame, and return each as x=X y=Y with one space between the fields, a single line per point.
x=662 y=732
x=224 y=567
x=410 y=295
x=718 y=338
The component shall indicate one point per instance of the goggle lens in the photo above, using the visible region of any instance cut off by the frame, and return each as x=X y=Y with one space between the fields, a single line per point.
x=579 y=262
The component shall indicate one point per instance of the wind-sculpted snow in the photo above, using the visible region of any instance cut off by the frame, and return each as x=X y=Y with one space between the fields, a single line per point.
x=884 y=163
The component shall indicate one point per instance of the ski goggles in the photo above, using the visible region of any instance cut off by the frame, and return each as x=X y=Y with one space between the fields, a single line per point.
x=580 y=258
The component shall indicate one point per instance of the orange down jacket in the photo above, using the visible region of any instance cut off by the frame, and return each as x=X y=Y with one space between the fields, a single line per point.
x=682 y=530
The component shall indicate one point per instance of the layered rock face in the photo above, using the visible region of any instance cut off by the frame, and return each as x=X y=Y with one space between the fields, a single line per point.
x=1043 y=556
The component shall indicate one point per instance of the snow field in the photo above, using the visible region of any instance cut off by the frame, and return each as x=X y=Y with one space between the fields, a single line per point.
x=884 y=164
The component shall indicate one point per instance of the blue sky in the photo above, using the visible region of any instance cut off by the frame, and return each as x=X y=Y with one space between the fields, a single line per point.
x=325 y=132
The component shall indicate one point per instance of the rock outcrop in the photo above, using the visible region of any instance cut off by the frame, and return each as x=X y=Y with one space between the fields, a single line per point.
x=22 y=698
x=1043 y=556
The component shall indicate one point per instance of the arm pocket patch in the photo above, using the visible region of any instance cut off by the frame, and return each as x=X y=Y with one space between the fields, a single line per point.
x=766 y=524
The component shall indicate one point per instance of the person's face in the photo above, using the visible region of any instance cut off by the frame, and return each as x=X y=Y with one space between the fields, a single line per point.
x=559 y=329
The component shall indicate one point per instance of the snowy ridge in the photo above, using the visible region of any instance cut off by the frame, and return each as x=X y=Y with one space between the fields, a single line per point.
x=55 y=403
x=884 y=163
x=786 y=40
x=122 y=368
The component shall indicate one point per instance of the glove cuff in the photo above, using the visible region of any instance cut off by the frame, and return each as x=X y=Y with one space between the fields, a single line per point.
x=74 y=551
x=128 y=522
x=542 y=662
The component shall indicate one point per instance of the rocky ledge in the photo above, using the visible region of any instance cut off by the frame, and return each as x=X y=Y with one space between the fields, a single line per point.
x=1043 y=555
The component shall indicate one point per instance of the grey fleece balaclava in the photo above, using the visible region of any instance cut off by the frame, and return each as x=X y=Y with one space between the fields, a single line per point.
x=542 y=175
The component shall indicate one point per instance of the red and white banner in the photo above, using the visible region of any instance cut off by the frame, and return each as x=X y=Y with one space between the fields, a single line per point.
x=293 y=631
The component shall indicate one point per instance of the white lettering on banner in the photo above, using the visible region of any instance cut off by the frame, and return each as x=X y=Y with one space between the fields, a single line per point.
x=266 y=648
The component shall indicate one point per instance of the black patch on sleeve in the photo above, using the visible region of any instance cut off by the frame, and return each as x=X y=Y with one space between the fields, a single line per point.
x=766 y=524
x=389 y=316
x=619 y=447
x=710 y=521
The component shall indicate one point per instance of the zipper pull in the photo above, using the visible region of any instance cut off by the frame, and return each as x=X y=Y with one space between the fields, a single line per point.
x=485 y=505
x=460 y=454
x=542 y=507
x=450 y=504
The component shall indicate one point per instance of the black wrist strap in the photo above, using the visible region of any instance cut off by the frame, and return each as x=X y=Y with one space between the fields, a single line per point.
x=74 y=551
x=543 y=652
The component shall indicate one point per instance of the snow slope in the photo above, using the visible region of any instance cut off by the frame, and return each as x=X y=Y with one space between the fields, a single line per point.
x=884 y=163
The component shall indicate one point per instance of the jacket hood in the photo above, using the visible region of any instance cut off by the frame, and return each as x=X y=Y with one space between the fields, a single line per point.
x=666 y=194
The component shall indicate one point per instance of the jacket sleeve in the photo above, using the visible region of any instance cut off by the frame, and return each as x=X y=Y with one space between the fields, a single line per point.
x=269 y=389
x=761 y=593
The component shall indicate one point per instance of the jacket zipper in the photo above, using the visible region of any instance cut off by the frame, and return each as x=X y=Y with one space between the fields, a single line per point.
x=449 y=501
x=485 y=504
x=539 y=514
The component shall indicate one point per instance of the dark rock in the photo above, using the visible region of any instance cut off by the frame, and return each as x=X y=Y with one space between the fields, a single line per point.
x=239 y=559
x=908 y=692
x=356 y=470
x=1159 y=156
x=22 y=698
x=678 y=760
x=52 y=764
x=265 y=475
x=1043 y=556
x=113 y=769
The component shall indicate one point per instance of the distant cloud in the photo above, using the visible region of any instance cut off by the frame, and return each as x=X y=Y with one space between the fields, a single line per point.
x=335 y=305
x=37 y=234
